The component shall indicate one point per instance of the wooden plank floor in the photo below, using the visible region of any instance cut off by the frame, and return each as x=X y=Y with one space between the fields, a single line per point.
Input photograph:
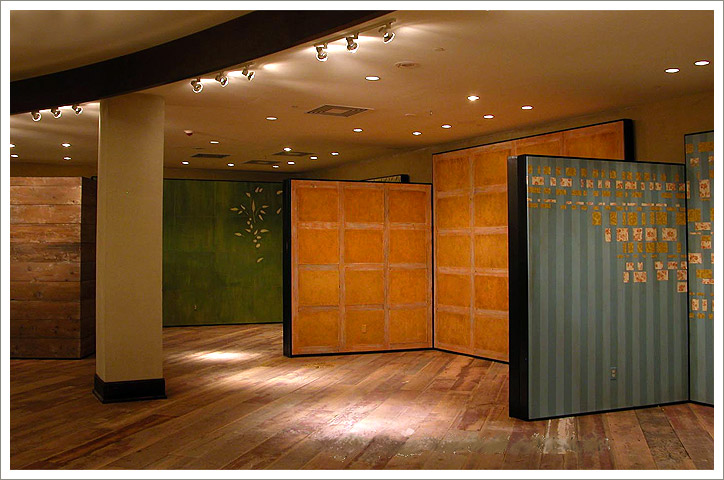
x=234 y=402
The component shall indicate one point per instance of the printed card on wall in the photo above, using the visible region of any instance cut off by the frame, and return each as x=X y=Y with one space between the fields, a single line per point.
x=700 y=223
x=222 y=252
x=603 y=237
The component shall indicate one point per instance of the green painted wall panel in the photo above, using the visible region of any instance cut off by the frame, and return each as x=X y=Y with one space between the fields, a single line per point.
x=222 y=264
x=700 y=227
x=603 y=294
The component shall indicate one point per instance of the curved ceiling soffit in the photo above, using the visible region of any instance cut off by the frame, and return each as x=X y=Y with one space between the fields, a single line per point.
x=237 y=41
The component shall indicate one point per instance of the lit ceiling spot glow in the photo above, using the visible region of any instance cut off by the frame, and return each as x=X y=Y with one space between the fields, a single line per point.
x=271 y=119
x=417 y=133
x=489 y=116
x=229 y=164
x=672 y=70
x=446 y=126
x=313 y=157
x=335 y=153
x=472 y=98
x=358 y=130
x=290 y=162
x=66 y=145
x=527 y=107
x=213 y=142
x=287 y=149
x=184 y=162
x=372 y=78
x=701 y=63
x=66 y=158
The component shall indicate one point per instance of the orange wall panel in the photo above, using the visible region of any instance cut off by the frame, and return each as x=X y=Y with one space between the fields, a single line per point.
x=471 y=226
x=374 y=291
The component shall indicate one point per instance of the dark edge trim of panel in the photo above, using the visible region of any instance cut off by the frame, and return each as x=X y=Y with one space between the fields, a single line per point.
x=129 y=391
x=703 y=404
x=622 y=409
x=517 y=288
x=287 y=268
x=89 y=354
x=361 y=182
x=433 y=264
x=242 y=39
x=361 y=352
x=688 y=279
x=628 y=140
x=192 y=325
x=471 y=355
x=280 y=181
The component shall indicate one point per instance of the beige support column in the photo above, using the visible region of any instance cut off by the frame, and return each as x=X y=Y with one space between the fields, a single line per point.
x=129 y=361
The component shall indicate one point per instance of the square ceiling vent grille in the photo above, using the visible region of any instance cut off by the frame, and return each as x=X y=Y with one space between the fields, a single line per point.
x=337 y=110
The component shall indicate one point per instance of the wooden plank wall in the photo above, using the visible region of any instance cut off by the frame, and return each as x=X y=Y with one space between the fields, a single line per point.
x=471 y=233
x=52 y=267
x=361 y=266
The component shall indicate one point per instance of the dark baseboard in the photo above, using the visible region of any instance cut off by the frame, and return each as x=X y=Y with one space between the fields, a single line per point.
x=129 y=391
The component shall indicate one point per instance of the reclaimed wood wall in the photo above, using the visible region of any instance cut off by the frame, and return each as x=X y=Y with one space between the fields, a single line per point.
x=52 y=267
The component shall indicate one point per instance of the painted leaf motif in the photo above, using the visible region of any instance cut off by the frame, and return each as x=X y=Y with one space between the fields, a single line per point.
x=259 y=259
x=234 y=209
x=248 y=230
x=279 y=210
x=248 y=194
x=264 y=230
x=253 y=205
x=258 y=245
x=237 y=234
x=279 y=192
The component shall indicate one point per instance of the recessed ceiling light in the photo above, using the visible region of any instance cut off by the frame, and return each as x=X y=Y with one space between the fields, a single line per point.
x=489 y=116
x=357 y=130
x=66 y=145
x=12 y=145
x=14 y=155
x=275 y=166
x=446 y=126
x=672 y=70
x=701 y=62
x=372 y=78
x=214 y=142
x=313 y=157
x=290 y=162
x=417 y=133
x=184 y=162
x=335 y=153
x=56 y=112
x=229 y=164
x=527 y=107
x=472 y=98
x=66 y=158
x=271 y=118
x=287 y=149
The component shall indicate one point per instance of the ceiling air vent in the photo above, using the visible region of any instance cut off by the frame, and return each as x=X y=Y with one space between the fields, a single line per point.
x=261 y=162
x=292 y=153
x=338 y=110
x=210 y=155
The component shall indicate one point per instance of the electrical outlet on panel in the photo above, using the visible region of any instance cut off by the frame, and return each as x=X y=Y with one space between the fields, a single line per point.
x=364 y=328
x=614 y=373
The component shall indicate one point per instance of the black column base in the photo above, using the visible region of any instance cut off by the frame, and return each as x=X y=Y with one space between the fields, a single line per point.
x=129 y=391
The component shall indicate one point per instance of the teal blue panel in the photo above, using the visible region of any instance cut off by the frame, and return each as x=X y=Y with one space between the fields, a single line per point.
x=700 y=202
x=607 y=285
x=222 y=252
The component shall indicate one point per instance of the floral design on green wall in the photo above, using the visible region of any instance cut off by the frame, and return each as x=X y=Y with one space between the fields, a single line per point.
x=252 y=212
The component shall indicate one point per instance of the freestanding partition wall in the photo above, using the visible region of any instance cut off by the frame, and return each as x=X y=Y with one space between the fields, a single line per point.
x=471 y=231
x=358 y=267
x=599 y=272
x=700 y=204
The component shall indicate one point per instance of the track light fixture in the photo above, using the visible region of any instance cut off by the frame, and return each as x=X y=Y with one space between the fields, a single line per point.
x=222 y=79
x=36 y=116
x=248 y=74
x=352 y=46
x=196 y=85
x=388 y=35
x=77 y=109
x=321 y=52
x=56 y=112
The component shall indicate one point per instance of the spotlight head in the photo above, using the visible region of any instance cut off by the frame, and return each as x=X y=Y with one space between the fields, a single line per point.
x=387 y=36
x=321 y=52
x=352 y=46
x=246 y=73
x=36 y=116
x=222 y=79
x=196 y=85
x=56 y=112
x=250 y=76
x=77 y=109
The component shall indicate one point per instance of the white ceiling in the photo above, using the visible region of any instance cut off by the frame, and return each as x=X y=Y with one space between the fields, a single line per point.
x=564 y=63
